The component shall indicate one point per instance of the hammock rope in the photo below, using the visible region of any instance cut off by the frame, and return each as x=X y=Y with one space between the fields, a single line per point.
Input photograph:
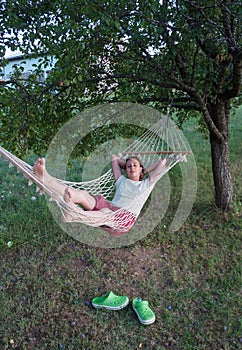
x=161 y=140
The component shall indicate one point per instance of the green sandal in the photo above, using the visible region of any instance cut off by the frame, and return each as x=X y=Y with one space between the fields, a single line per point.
x=143 y=311
x=110 y=301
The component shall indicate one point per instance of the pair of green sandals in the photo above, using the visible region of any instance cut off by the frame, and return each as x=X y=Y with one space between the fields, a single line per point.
x=112 y=301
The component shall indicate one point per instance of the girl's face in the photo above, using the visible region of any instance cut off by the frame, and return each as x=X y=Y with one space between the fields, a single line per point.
x=133 y=169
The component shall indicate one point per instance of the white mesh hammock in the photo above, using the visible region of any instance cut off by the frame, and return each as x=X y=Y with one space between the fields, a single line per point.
x=163 y=139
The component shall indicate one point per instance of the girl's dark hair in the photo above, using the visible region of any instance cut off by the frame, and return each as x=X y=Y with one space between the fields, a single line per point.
x=142 y=175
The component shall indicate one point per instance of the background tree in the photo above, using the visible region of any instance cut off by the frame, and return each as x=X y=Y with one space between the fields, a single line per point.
x=184 y=52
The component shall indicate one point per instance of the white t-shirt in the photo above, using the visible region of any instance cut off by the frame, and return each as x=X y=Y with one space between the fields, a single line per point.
x=131 y=195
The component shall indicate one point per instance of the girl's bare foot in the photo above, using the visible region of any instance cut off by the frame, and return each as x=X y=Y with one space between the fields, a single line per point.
x=39 y=168
x=67 y=217
x=67 y=196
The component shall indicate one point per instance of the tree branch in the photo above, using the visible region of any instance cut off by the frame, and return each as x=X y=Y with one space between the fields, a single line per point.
x=237 y=74
x=227 y=27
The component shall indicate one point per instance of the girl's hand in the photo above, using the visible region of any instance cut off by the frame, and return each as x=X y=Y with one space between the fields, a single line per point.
x=114 y=157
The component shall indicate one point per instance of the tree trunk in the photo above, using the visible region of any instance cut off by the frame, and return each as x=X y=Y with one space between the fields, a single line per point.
x=223 y=185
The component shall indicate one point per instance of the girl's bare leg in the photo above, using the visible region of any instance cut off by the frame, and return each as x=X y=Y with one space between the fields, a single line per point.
x=73 y=196
x=41 y=172
x=95 y=218
x=81 y=197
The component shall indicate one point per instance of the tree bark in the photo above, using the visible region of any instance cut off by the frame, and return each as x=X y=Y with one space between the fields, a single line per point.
x=223 y=185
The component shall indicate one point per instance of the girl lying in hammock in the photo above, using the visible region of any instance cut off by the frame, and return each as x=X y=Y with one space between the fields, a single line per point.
x=131 y=193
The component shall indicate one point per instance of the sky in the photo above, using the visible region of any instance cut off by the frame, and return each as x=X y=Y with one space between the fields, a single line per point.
x=11 y=53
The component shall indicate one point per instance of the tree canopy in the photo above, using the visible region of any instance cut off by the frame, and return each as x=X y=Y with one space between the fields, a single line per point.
x=184 y=53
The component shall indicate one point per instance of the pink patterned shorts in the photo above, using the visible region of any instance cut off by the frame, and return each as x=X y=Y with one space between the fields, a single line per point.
x=123 y=216
x=102 y=203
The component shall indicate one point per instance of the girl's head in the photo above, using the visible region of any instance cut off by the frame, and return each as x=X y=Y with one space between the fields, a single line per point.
x=134 y=168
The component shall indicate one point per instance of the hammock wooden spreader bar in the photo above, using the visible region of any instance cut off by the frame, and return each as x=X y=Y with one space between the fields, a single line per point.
x=159 y=152
x=27 y=170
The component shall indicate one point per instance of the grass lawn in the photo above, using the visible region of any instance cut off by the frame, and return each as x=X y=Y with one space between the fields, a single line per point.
x=191 y=278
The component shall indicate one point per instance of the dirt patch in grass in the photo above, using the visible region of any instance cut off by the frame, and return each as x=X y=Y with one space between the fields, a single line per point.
x=47 y=288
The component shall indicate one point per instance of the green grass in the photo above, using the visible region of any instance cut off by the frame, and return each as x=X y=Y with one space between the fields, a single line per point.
x=191 y=278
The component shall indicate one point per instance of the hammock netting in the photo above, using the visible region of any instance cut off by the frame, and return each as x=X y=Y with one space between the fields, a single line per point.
x=163 y=139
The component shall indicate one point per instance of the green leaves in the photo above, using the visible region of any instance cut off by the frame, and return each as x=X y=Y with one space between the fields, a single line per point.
x=148 y=52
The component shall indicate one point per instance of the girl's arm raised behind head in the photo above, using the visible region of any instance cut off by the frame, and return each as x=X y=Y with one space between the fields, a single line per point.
x=156 y=169
x=117 y=165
